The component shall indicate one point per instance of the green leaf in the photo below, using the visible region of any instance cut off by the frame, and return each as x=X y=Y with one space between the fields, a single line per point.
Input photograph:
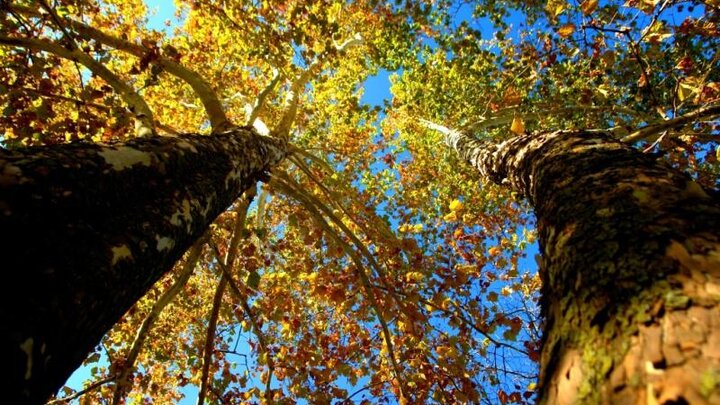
x=253 y=280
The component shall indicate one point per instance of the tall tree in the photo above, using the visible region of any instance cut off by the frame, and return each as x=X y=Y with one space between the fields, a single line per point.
x=89 y=229
x=630 y=268
x=375 y=263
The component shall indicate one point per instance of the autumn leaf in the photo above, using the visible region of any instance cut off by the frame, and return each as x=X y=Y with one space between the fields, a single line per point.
x=456 y=205
x=688 y=87
x=517 y=126
x=566 y=30
x=555 y=7
x=589 y=6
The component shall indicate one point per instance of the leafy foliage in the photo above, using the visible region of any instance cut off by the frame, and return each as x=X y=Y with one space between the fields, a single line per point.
x=373 y=264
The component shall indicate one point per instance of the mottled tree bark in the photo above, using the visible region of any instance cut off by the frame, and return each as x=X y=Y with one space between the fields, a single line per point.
x=87 y=229
x=630 y=268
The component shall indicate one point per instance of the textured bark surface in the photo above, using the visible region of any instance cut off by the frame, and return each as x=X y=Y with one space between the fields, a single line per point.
x=87 y=230
x=630 y=268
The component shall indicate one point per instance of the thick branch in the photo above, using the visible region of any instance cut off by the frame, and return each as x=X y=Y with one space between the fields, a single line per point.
x=296 y=88
x=137 y=104
x=213 y=107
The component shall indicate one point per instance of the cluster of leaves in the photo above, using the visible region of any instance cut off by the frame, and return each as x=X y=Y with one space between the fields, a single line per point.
x=374 y=263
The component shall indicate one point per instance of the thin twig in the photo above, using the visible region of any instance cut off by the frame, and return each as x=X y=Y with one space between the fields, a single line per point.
x=312 y=207
x=293 y=96
x=707 y=111
x=97 y=384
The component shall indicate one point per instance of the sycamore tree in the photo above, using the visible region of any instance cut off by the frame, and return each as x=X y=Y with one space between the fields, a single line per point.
x=371 y=264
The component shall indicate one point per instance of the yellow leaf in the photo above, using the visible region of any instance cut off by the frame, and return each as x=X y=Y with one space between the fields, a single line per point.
x=456 y=205
x=589 y=6
x=686 y=88
x=450 y=217
x=566 y=30
x=494 y=251
x=414 y=276
x=555 y=8
x=517 y=126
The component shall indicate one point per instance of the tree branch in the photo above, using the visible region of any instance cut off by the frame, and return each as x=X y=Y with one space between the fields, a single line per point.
x=293 y=97
x=237 y=235
x=313 y=208
x=260 y=100
x=213 y=107
x=97 y=384
x=157 y=308
x=707 y=111
x=210 y=339
x=138 y=106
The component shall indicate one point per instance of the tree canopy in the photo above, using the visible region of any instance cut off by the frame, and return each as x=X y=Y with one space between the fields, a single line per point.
x=372 y=264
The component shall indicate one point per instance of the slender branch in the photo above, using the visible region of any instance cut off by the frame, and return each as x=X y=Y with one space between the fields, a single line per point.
x=240 y=296
x=642 y=63
x=27 y=90
x=506 y=116
x=138 y=106
x=260 y=100
x=212 y=104
x=332 y=197
x=210 y=339
x=293 y=96
x=56 y=19
x=149 y=321
x=237 y=235
x=708 y=111
x=461 y=317
x=70 y=39
x=312 y=207
x=97 y=384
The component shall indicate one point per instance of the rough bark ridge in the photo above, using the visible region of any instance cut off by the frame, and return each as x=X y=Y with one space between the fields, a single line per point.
x=630 y=268
x=87 y=229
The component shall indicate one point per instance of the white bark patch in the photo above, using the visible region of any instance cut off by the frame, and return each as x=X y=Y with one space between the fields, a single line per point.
x=187 y=145
x=164 y=243
x=208 y=205
x=119 y=253
x=183 y=214
x=125 y=157
x=27 y=347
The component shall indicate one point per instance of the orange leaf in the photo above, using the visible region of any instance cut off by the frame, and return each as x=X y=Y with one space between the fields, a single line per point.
x=589 y=6
x=566 y=30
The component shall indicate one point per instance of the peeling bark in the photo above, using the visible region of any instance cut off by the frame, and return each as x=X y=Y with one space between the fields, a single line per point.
x=87 y=229
x=630 y=268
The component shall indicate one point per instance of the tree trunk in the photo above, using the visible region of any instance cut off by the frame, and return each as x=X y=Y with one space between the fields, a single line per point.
x=87 y=230
x=630 y=268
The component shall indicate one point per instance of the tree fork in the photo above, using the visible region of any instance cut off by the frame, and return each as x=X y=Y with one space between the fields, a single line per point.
x=630 y=268
x=87 y=229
